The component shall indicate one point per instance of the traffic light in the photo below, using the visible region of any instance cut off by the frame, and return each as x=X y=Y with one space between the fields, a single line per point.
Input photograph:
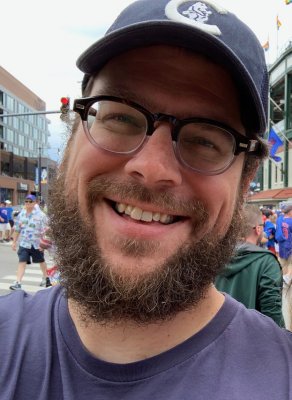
x=65 y=105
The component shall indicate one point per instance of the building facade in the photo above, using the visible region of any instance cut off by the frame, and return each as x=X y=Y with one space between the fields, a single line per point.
x=275 y=178
x=24 y=141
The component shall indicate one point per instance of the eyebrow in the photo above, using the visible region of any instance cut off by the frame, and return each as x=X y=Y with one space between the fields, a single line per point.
x=125 y=93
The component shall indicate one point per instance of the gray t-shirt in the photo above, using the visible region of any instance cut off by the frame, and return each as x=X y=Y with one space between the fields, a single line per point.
x=240 y=355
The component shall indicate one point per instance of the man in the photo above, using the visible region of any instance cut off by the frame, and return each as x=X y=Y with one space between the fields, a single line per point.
x=285 y=253
x=4 y=224
x=10 y=229
x=254 y=275
x=144 y=214
x=285 y=245
x=29 y=227
x=270 y=230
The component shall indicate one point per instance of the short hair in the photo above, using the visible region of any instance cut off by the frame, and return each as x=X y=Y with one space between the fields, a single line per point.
x=252 y=216
x=267 y=213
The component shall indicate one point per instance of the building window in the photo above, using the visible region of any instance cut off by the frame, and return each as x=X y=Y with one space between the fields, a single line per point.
x=278 y=105
x=21 y=108
x=18 y=166
x=9 y=135
x=289 y=106
x=21 y=140
x=9 y=103
x=5 y=163
x=282 y=172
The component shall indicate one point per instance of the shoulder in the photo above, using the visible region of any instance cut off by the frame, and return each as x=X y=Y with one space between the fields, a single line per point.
x=25 y=318
x=249 y=249
x=39 y=214
x=257 y=332
x=27 y=332
x=19 y=307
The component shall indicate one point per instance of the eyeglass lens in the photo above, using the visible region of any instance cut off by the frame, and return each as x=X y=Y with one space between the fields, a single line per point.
x=121 y=128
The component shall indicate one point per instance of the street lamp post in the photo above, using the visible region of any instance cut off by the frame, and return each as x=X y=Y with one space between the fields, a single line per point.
x=40 y=173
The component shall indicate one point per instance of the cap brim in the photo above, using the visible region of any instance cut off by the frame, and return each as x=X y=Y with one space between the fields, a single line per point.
x=171 y=33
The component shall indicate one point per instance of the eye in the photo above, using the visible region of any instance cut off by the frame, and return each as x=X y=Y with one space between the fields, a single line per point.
x=121 y=119
x=201 y=141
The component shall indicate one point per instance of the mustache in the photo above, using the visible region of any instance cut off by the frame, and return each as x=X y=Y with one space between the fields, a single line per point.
x=102 y=187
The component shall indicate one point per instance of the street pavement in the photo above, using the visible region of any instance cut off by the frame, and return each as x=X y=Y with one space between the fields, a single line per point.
x=8 y=267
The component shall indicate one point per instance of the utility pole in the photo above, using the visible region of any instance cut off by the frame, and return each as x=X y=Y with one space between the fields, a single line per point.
x=40 y=173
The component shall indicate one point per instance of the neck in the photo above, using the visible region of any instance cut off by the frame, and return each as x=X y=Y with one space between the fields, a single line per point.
x=252 y=240
x=128 y=342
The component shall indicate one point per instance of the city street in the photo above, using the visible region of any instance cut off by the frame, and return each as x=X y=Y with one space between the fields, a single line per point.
x=8 y=266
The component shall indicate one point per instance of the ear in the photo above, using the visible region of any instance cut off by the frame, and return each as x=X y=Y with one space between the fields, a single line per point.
x=249 y=172
x=258 y=230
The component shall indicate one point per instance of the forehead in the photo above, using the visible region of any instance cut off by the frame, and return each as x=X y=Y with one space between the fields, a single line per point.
x=161 y=74
x=166 y=61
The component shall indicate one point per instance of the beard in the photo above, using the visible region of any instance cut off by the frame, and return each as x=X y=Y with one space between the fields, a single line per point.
x=101 y=291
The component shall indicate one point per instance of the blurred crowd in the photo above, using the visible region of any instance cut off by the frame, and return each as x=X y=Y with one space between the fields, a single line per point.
x=260 y=272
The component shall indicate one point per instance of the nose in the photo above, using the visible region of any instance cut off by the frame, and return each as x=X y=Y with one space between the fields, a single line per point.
x=156 y=165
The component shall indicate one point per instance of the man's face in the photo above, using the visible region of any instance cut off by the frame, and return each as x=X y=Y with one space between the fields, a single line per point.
x=29 y=204
x=259 y=231
x=97 y=183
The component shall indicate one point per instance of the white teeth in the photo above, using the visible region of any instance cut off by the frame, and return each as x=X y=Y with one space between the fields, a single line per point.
x=136 y=213
x=146 y=216
x=156 y=217
x=128 y=209
x=165 y=219
x=139 y=215
x=121 y=207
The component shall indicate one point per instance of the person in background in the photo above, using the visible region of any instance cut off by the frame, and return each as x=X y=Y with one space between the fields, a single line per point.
x=29 y=227
x=273 y=219
x=47 y=245
x=287 y=301
x=254 y=275
x=4 y=224
x=270 y=230
x=9 y=231
x=144 y=213
x=285 y=243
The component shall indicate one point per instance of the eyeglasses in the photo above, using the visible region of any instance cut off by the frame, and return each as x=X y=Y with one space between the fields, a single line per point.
x=28 y=201
x=121 y=127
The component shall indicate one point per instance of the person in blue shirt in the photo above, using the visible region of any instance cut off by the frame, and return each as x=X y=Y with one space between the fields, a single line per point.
x=270 y=230
x=285 y=245
x=4 y=224
x=9 y=209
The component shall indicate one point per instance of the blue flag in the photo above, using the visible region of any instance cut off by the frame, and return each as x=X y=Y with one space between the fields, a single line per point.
x=275 y=142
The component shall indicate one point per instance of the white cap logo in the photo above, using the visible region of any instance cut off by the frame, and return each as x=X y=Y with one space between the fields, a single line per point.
x=196 y=15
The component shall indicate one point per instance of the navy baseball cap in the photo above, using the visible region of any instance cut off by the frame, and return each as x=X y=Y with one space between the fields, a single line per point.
x=201 y=26
x=30 y=197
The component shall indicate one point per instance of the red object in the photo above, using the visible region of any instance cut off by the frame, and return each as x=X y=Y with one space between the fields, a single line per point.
x=65 y=100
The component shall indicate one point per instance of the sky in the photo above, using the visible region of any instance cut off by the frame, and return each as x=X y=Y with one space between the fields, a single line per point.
x=42 y=39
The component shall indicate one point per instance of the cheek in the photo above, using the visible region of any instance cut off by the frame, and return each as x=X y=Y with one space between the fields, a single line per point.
x=220 y=194
x=86 y=161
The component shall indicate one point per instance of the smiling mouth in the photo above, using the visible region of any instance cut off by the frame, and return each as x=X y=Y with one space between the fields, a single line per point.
x=138 y=214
